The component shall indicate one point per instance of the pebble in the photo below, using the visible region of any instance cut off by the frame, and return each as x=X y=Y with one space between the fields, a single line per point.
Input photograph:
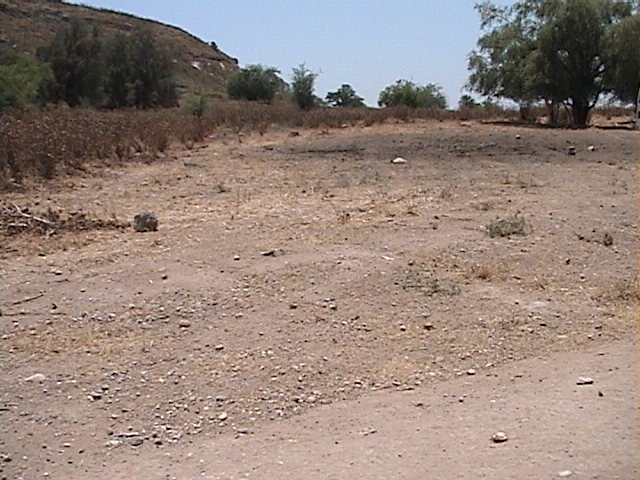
x=571 y=150
x=184 y=323
x=471 y=371
x=499 y=437
x=223 y=416
x=398 y=161
x=585 y=381
x=219 y=348
x=565 y=473
x=36 y=377
x=135 y=441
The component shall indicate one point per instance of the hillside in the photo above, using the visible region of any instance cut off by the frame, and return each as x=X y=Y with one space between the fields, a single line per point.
x=29 y=24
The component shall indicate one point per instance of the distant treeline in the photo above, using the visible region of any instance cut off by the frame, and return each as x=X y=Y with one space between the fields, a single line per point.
x=81 y=66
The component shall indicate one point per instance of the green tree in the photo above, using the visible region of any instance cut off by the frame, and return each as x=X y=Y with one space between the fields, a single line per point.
x=20 y=79
x=405 y=92
x=152 y=83
x=303 y=86
x=255 y=83
x=554 y=51
x=623 y=59
x=118 y=75
x=75 y=59
x=345 y=96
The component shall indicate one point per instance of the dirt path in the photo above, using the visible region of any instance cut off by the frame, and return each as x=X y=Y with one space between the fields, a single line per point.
x=293 y=275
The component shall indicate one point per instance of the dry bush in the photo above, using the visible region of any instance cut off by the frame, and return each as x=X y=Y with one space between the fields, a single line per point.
x=63 y=140
x=505 y=227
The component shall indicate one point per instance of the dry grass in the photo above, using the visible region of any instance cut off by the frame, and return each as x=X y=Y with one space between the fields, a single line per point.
x=43 y=145
x=506 y=227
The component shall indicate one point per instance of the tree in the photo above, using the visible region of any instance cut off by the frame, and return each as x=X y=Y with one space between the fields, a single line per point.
x=255 y=82
x=20 y=78
x=75 y=59
x=467 y=101
x=554 y=51
x=345 y=96
x=405 y=92
x=623 y=59
x=118 y=75
x=152 y=83
x=302 y=85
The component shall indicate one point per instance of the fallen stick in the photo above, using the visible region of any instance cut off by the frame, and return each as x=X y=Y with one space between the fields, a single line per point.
x=33 y=217
x=28 y=299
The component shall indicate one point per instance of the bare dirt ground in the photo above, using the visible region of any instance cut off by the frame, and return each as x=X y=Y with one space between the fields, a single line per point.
x=309 y=309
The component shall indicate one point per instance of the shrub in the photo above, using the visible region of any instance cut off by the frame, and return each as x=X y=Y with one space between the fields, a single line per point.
x=405 y=92
x=255 y=82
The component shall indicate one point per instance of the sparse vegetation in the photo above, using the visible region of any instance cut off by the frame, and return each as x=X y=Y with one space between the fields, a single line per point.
x=506 y=227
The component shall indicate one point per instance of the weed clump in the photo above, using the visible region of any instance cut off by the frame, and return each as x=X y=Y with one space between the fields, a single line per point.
x=506 y=227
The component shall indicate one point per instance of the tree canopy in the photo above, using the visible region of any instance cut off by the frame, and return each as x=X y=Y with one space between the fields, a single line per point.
x=303 y=87
x=345 y=96
x=256 y=83
x=558 y=51
x=118 y=71
x=405 y=92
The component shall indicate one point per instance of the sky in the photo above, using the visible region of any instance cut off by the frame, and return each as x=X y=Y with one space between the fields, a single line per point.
x=368 y=44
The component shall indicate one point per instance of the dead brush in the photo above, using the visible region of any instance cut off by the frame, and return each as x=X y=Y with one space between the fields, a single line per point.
x=506 y=227
x=486 y=272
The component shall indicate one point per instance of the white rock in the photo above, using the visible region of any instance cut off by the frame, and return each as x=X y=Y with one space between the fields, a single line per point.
x=398 y=160
x=36 y=377
x=565 y=473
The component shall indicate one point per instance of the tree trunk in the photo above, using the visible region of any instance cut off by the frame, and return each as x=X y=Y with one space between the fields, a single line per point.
x=580 y=113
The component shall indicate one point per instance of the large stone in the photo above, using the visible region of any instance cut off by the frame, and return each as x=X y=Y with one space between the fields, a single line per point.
x=145 y=222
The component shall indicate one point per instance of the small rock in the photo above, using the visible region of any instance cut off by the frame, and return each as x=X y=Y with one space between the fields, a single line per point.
x=565 y=473
x=398 y=161
x=36 y=377
x=499 y=437
x=571 y=150
x=223 y=416
x=585 y=381
x=135 y=441
x=219 y=348
x=471 y=371
x=591 y=148
x=145 y=222
x=294 y=133
x=403 y=328
x=428 y=326
x=95 y=395
x=518 y=137
x=184 y=323
x=236 y=258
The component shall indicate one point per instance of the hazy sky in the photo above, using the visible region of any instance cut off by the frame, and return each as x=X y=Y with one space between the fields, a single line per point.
x=367 y=43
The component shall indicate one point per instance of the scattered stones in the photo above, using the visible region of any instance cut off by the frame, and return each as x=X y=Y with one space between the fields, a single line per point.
x=499 y=437
x=398 y=161
x=145 y=222
x=36 y=377
x=585 y=381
